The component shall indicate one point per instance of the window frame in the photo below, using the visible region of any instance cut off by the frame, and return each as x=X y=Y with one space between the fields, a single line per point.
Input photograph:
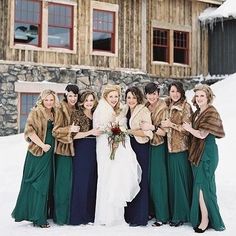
x=167 y=47
x=185 y=49
x=32 y=23
x=167 y=26
x=44 y=29
x=107 y=7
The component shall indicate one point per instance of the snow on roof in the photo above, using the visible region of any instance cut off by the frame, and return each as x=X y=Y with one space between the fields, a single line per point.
x=226 y=10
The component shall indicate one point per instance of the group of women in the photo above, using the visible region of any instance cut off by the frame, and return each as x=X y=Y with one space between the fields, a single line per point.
x=165 y=169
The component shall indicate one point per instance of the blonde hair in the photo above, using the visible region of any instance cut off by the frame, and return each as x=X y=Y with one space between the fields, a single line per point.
x=207 y=89
x=110 y=88
x=44 y=94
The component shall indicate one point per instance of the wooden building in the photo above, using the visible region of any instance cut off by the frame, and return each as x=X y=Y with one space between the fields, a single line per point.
x=92 y=43
x=162 y=38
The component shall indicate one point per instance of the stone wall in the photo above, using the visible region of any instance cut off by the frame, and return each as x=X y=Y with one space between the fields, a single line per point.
x=84 y=78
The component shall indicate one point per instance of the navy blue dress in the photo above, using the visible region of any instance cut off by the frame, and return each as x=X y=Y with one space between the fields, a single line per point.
x=136 y=212
x=84 y=185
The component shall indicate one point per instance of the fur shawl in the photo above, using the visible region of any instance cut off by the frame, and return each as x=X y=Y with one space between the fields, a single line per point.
x=36 y=123
x=61 y=131
x=179 y=112
x=210 y=121
x=159 y=114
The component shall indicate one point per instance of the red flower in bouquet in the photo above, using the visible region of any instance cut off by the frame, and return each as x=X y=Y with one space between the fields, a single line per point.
x=116 y=135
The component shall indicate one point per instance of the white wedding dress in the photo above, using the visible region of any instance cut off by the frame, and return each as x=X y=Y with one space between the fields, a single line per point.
x=118 y=179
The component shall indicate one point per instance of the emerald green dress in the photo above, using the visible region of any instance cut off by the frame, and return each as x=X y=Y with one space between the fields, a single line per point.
x=158 y=183
x=35 y=195
x=62 y=189
x=204 y=179
x=180 y=186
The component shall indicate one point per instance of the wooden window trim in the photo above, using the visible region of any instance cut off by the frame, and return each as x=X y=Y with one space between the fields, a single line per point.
x=70 y=27
x=44 y=47
x=105 y=7
x=112 y=33
x=171 y=28
x=186 y=48
x=167 y=47
x=39 y=24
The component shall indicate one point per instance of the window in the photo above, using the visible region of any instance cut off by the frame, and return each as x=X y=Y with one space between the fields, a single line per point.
x=170 y=46
x=28 y=101
x=103 y=30
x=60 y=25
x=181 y=47
x=44 y=23
x=161 y=45
x=27 y=28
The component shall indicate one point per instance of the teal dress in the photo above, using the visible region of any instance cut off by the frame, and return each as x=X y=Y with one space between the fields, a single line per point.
x=62 y=189
x=35 y=196
x=204 y=179
x=158 y=185
x=180 y=186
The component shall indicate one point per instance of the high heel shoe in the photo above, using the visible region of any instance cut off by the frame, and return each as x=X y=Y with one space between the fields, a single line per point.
x=176 y=224
x=199 y=230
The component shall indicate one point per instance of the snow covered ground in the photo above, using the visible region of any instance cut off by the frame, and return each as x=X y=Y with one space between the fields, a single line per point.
x=12 y=154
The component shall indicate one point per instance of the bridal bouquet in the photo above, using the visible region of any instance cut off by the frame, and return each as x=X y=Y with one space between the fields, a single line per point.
x=116 y=135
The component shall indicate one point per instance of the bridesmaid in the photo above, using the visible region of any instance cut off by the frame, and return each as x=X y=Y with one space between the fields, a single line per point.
x=158 y=185
x=178 y=168
x=64 y=130
x=83 y=197
x=136 y=213
x=33 y=199
x=203 y=154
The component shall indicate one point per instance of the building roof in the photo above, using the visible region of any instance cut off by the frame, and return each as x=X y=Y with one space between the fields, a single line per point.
x=226 y=10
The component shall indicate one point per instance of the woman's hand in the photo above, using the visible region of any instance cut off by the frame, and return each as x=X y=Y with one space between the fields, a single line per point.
x=187 y=126
x=96 y=132
x=74 y=128
x=166 y=123
x=46 y=147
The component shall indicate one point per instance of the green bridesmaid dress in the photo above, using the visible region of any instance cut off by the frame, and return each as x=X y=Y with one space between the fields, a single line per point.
x=33 y=202
x=204 y=179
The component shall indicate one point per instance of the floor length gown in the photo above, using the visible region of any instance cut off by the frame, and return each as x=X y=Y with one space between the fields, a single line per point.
x=136 y=212
x=84 y=185
x=204 y=179
x=118 y=179
x=33 y=199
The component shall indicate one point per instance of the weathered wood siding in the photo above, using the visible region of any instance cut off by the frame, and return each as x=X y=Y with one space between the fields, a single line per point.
x=134 y=50
x=178 y=15
x=129 y=38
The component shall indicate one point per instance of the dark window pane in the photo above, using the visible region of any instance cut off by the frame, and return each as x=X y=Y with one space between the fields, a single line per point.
x=159 y=54
x=102 y=41
x=179 y=56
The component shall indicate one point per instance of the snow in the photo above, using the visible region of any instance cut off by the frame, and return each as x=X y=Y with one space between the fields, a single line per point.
x=226 y=10
x=13 y=150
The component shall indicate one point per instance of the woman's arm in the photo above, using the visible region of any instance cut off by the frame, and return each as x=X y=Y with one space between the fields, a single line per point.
x=35 y=139
x=95 y=132
x=201 y=134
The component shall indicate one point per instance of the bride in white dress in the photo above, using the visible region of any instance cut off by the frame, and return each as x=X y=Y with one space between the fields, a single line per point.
x=118 y=179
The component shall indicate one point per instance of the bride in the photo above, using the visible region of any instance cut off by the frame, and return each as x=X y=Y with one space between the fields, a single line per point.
x=118 y=179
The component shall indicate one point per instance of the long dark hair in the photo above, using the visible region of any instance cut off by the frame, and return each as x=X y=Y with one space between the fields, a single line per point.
x=180 y=88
